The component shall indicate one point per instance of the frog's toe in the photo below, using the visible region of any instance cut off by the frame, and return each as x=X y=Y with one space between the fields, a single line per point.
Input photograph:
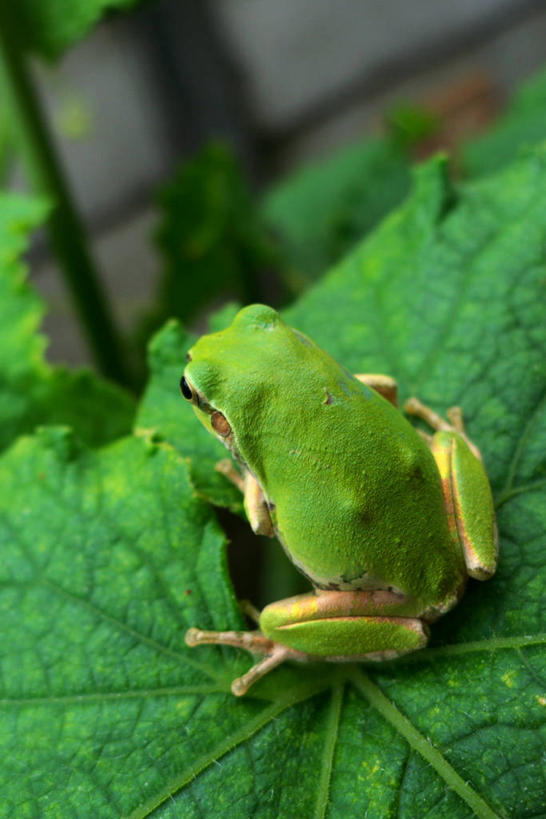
x=277 y=656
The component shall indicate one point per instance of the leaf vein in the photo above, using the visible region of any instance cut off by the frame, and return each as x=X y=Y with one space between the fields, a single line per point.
x=327 y=762
x=137 y=635
x=375 y=696
x=104 y=696
x=519 y=447
x=213 y=755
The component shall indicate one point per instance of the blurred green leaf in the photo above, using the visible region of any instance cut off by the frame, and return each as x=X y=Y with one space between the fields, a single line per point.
x=31 y=391
x=320 y=212
x=409 y=123
x=213 y=242
x=522 y=125
x=6 y=146
x=223 y=317
x=49 y=27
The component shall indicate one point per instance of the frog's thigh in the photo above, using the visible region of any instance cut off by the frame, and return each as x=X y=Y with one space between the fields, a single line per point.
x=383 y=384
x=256 y=507
x=345 y=625
x=469 y=503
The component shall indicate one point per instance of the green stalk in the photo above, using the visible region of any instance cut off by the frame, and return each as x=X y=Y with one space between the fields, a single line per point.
x=66 y=232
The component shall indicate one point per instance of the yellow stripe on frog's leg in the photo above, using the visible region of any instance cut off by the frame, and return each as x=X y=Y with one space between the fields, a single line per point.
x=346 y=625
x=441 y=450
x=468 y=500
x=383 y=384
x=323 y=603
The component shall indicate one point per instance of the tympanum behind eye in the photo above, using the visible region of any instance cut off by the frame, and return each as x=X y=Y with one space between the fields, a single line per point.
x=219 y=424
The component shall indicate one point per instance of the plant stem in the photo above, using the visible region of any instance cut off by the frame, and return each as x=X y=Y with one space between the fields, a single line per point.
x=66 y=232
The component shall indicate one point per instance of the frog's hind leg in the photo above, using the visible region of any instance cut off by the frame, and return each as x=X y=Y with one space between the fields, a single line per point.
x=383 y=384
x=327 y=625
x=346 y=625
x=455 y=424
x=272 y=653
x=467 y=494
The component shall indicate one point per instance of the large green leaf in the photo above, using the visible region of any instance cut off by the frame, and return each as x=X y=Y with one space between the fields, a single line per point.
x=321 y=211
x=49 y=28
x=523 y=124
x=108 y=557
x=31 y=391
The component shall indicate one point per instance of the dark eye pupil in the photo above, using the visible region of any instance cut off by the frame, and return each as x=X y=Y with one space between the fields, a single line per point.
x=185 y=389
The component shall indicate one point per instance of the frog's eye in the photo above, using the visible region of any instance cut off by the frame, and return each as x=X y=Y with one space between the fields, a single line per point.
x=185 y=389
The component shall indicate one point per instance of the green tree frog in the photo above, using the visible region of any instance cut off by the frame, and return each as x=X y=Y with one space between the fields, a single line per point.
x=387 y=522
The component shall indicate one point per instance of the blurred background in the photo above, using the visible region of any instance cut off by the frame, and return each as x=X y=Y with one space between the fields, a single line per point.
x=285 y=82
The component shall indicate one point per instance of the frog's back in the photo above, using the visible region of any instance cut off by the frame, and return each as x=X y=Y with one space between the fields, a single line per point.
x=363 y=502
x=355 y=494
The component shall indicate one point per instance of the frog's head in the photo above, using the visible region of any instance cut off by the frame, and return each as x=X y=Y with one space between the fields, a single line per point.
x=233 y=378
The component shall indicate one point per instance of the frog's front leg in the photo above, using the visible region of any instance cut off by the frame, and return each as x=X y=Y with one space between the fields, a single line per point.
x=383 y=384
x=327 y=625
x=467 y=494
x=255 y=502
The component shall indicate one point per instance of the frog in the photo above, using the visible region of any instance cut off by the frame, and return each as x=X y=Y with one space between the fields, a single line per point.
x=385 y=519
